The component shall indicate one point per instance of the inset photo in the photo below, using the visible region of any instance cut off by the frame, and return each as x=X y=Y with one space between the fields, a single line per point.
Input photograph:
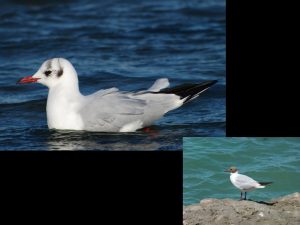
x=238 y=180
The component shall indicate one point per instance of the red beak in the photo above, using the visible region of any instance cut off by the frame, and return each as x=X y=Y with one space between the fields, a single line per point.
x=28 y=79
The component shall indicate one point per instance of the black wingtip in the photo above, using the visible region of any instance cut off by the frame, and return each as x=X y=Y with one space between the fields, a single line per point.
x=265 y=183
x=189 y=91
x=197 y=89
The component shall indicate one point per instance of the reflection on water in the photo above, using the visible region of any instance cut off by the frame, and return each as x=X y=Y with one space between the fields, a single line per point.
x=71 y=140
x=153 y=139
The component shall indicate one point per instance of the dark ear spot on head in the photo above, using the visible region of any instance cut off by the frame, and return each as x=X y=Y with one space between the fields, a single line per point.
x=60 y=72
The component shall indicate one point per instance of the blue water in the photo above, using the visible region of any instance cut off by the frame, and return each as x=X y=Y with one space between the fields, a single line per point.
x=263 y=159
x=125 y=44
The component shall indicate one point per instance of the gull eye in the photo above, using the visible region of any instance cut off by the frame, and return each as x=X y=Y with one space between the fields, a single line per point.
x=48 y=72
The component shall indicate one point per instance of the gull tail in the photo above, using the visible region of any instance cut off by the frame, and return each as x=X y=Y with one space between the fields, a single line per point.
x=263 y=184
x=188 y=92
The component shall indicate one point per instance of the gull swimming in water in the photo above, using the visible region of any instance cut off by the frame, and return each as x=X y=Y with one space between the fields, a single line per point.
x=108 y=110
x=243 y=182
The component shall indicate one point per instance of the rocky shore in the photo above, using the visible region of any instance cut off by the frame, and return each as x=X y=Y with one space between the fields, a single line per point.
x=281 y=211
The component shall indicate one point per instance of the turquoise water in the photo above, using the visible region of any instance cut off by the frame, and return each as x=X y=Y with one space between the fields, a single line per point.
x=263 y=159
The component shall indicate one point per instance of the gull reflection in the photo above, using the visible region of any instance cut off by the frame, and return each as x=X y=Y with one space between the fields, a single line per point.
x=81 y=140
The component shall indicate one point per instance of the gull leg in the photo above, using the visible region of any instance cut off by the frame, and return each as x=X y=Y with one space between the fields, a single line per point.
x=245 y=196
x=241 y=196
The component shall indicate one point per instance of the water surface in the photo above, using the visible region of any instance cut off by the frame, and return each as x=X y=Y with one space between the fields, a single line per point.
x=124 y=44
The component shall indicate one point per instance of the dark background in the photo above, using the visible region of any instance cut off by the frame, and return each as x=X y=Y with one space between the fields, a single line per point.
x=262 y=73
x=93 y=187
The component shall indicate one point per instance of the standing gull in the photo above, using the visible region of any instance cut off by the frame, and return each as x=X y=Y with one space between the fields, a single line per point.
x=243 y=182
x=108 y=110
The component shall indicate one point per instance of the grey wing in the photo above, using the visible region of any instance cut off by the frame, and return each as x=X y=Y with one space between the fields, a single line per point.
x=245 y=182
x=109 y=110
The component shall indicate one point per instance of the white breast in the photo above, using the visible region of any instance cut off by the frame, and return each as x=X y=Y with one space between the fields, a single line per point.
x=62 y=112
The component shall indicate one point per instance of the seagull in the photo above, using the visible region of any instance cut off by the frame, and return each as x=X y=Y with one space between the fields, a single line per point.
x=107 y=110
x=243 y=182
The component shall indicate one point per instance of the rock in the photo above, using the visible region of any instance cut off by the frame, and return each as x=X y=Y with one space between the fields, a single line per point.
x=284 y=210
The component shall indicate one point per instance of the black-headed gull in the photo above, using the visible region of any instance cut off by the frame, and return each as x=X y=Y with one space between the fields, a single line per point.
x=243 y=182
x=108 y=110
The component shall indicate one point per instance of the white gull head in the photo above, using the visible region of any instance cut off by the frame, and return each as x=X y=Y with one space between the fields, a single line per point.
x=57 y=71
